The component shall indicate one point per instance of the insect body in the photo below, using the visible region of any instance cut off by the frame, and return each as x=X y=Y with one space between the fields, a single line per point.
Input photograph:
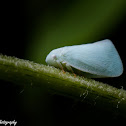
x=97 y=60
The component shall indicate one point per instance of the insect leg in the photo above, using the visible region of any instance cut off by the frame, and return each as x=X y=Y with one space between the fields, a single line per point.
x=60 y=65
x=70 y=69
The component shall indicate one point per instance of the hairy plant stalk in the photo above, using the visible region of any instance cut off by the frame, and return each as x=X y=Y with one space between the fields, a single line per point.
x=25 y=72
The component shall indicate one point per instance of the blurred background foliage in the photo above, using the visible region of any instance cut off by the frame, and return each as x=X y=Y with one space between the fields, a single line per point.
x=35 y=27
x=69 y=22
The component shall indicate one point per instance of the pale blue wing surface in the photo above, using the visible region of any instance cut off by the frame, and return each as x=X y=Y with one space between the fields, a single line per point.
x=99 y=58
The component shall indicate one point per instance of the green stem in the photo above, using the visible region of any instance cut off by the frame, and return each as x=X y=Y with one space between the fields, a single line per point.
x=26 y=72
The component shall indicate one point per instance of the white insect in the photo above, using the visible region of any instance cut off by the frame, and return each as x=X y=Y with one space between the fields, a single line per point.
x=96 y=60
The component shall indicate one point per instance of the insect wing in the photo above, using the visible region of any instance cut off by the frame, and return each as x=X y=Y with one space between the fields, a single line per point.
x=99 y=58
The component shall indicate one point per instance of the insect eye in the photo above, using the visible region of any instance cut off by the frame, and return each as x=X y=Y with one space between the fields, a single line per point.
x=54 y=57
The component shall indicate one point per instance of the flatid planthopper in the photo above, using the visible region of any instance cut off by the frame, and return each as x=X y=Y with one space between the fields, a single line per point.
x=96 y=60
